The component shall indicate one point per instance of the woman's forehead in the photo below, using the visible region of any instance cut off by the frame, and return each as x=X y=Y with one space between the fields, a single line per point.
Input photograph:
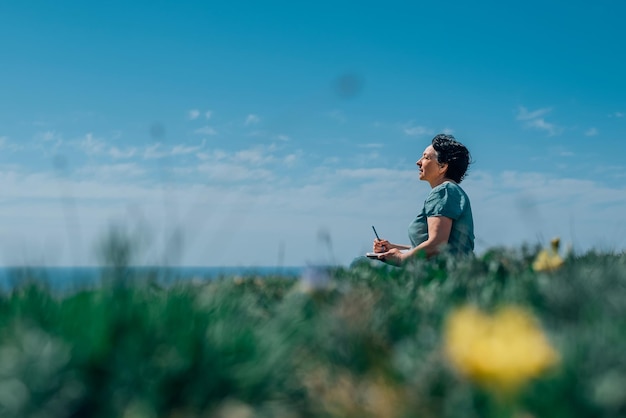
x=430 y=150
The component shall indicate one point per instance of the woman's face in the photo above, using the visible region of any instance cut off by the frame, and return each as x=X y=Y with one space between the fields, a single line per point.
x=430 y=170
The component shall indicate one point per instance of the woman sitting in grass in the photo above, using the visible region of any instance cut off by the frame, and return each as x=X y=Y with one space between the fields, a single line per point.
x=445 y=222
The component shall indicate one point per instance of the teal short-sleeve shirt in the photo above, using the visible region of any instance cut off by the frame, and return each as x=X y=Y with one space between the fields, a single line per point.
x=450 y=200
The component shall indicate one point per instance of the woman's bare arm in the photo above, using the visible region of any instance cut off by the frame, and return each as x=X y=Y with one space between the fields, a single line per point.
x=439 y=228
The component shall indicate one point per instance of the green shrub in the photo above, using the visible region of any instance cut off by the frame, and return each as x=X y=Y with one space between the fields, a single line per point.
x=368 y=342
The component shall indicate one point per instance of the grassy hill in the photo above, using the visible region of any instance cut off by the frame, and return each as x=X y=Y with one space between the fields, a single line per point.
x=486 y=337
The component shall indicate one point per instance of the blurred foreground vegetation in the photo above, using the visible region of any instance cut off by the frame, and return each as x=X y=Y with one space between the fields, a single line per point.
x=364 y=341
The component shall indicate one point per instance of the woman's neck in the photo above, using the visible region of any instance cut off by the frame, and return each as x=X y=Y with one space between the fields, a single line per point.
x=439 y=181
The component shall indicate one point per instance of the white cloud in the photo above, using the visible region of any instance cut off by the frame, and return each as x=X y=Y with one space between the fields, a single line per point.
x=208 y=114
x=282 y=137
x=252 y=119
x=193 y=114
x=91 y=145
x=535 y=120
x=47 y=136
x=48 y=142
x=617 y=115
x=253 y=156
x=214 y=155
x=116 y=153
x=384 y=175
x=331 y=161
x=514 y=207
x=290 y=159
x=448 y=131
x=108 y=171
x=157 y=150
x=258 y=155
x=154 y=151
x=253 y=205
x=205 y=130
x=371 y=145
x=541 y=124
x=524 y=114
x=411 y=130
x=229 y=172
x=186 y=149
x=258 y=133
x=366 y=159
x=591 y=132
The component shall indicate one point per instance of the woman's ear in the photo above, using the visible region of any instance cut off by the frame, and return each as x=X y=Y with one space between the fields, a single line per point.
x=443 y=168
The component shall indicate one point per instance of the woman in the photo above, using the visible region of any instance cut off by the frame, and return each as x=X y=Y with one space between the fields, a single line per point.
x=445 y=222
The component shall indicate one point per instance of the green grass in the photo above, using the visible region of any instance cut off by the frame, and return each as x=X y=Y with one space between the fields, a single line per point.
x=368 y=343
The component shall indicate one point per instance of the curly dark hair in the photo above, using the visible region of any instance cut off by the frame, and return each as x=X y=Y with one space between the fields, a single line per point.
x=452 y=152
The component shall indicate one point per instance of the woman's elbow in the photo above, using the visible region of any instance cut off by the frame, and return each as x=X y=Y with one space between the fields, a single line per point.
x=434 y=247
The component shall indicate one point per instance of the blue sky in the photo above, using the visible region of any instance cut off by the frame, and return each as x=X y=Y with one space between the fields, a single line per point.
x=262 y=133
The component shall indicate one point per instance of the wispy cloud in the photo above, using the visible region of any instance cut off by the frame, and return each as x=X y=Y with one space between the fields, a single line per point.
x=416 y=130
x=290 y=159
x=541 y=205
x=541 y=124
x=47 y=136
x=331 y=161
x=193 y=114
x=109 y=171
x=7 y=144
x=91 y=145
x=591 y=132
x=617 y=115
x=117 y=153
x=186 y=149
x=208 y=114
x=255 y=156
x=230 y=172
x=534 y=119
x=382 y=174
x=248 y=160
x=156 y=151
x=509 y=208
x=216 y=155
x=205 y=130
x=252 y=119
x=524 y=114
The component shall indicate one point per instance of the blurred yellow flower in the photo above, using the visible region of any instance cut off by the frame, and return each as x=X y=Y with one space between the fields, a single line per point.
x=502 y=351
x=548 y=260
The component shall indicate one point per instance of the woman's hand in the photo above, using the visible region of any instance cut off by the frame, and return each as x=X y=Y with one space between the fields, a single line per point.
x=382 y=245
x=394 y=257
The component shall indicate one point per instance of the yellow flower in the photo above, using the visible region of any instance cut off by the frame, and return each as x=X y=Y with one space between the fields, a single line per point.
x=549 y=260
x=501 y=352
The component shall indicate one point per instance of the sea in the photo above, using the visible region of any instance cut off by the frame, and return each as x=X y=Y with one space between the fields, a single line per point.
x=76 y=278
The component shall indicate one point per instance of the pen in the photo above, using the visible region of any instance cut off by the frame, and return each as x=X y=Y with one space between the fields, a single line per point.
x=377 y=237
